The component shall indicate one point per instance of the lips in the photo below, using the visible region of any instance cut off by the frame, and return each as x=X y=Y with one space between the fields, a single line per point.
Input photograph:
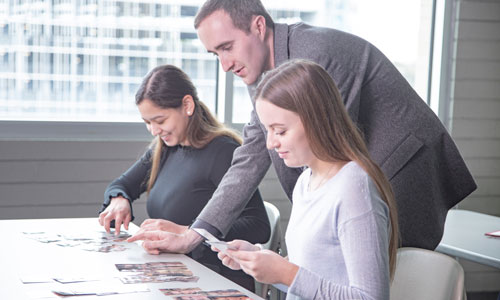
x=239 y=71
x=282 y=154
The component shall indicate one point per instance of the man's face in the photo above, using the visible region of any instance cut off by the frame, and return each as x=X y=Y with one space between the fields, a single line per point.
x=246 y=54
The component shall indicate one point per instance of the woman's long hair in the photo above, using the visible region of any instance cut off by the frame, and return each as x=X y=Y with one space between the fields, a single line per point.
x=166 y=86
x=306 y=89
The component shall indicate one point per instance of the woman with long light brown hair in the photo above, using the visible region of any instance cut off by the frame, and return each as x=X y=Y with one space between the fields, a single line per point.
x=189 y=155
x=342 y=235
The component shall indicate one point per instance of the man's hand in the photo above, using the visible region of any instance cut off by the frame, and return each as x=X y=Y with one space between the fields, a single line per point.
x=162 y=225
x=118 y=210
x=158 y=241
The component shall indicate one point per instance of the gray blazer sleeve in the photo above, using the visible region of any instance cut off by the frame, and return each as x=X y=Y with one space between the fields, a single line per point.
x=249 y=165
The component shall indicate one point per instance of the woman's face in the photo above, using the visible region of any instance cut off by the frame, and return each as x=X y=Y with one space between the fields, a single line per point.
x=285 y=134
x=170 y=124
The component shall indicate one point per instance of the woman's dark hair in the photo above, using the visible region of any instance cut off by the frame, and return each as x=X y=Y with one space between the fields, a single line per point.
x=166 y=86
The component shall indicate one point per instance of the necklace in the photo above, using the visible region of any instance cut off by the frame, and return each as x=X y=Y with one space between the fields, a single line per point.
x=325 y=178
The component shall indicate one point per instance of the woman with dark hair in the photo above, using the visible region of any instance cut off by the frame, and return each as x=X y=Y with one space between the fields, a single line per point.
x=342 y=235
x=182 y=168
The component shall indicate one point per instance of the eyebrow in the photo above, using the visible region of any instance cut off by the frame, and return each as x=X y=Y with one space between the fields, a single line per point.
x=154 y=118
x=276 y=125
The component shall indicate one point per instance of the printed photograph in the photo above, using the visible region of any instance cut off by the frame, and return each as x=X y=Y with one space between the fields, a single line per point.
x=99 y=241
x=156 y=272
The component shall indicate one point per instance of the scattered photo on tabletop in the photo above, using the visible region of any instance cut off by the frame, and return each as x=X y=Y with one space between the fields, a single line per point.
x=198 y=294
x=99 y=241
x=180 y=291
x=156 y=272
x=100 y=288
x=157 y=279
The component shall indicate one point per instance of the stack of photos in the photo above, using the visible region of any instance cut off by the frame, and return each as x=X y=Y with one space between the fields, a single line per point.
x=198 y=294
x=156 y=272
x=99 y=241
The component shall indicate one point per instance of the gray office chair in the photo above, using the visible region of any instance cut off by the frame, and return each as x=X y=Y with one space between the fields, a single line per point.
x=266 y=291
x=424 y=274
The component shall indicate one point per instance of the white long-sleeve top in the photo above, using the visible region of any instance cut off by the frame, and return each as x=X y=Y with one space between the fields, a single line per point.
x=338 y=235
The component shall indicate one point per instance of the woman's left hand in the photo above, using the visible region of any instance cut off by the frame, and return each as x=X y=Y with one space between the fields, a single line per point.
x=265 y=266
x=163 y=225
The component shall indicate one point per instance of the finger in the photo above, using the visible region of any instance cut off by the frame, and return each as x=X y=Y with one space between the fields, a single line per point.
x=140 y=236
x=101 y=217
x=227 y=261
x=246 y=269
x=154 y=244
x=147 y=227
x=107 y=222
x=221 y=255
x=241 y=255
x=150 y=247
x=150 y=250
x=153 y=251
x=118 y=224
x=231 y=263
x=127 y=221
x=146 y=222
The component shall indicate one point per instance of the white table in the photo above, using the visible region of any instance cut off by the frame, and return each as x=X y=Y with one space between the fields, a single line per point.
x=464 y=237
x=20 y=255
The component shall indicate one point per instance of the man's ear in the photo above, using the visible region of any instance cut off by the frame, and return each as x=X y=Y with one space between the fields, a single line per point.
x=259 y=26
x=188 y=105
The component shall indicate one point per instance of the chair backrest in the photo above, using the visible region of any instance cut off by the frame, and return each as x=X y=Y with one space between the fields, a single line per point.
x=266 y=291
x=273 y=214
x=424 y=274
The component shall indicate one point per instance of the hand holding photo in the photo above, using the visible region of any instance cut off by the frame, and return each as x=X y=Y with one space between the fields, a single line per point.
x=213 y=241
x=221 y=245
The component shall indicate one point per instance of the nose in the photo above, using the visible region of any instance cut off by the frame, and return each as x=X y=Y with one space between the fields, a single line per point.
x=154 y=129
x=226 y=62
x=271 y=142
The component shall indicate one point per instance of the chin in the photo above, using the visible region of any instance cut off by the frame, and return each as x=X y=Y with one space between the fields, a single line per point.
x=249 y=81
x=290 y=164
x=170 y=143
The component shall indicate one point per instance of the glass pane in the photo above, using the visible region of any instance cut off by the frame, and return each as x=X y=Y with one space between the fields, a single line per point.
x=400 y=29
x=71 y=60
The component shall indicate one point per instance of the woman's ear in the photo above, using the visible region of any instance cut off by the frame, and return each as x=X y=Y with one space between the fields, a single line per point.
x=188 y=105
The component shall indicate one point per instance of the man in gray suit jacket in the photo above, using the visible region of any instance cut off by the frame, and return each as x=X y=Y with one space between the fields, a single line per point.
x=403 y=135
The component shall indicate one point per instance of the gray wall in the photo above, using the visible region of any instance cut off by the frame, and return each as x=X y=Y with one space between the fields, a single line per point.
x=54 y=179
x=57 y=179
x=475 y=122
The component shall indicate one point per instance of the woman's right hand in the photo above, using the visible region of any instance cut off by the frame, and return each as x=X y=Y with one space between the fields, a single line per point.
x=235 y=245
x=118 y=210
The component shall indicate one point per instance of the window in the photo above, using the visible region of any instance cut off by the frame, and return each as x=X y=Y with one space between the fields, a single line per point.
x=400 y=29
x=84 y=60
x=71 y=60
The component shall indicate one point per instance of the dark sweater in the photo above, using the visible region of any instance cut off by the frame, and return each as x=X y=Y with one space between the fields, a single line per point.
x=186 y=181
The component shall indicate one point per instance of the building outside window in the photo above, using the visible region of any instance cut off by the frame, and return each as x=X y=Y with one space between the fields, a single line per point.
x=83 y=60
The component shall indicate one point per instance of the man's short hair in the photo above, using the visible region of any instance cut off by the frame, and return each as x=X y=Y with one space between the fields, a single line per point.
x=240 y=12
